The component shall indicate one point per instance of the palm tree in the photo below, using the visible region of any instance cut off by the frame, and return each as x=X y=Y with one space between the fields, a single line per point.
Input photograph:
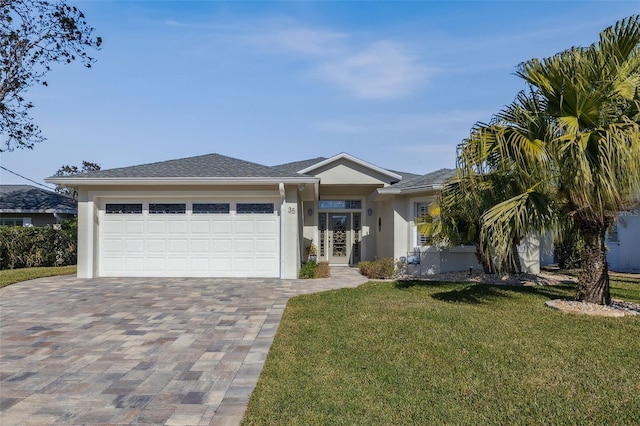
x=565 y=153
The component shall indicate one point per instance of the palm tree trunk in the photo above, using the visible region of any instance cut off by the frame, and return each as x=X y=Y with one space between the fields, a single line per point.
x=593 y=279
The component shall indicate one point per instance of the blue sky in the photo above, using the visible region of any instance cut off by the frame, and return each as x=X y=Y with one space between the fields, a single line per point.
x=398 y=84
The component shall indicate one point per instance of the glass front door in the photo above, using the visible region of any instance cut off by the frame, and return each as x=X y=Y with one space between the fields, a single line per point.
x=339 y=238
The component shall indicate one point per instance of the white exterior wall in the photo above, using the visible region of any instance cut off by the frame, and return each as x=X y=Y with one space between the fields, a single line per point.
x=86 y=235
x=624 y=255
x=529 y=253
x=290 y=255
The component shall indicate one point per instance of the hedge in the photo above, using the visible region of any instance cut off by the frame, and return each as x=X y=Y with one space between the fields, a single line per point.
x=28 y=247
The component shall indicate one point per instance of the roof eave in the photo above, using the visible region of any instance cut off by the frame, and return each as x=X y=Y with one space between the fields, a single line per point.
x=33 y=211
x=153 y=181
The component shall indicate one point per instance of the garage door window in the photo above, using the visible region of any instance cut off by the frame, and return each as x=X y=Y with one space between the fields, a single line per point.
x=123 y=208
x=249 y=208
x=211 y=208
x=167 y=208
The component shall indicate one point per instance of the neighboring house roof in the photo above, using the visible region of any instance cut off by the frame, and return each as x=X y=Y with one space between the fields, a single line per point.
x=202 y=169
x=29 y=199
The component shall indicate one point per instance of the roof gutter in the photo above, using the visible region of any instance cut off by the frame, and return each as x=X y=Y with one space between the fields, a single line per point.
x=153 y=181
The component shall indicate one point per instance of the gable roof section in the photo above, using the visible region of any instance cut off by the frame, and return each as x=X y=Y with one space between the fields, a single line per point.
x=345 y=156
x=210 y=168
x=29 y=199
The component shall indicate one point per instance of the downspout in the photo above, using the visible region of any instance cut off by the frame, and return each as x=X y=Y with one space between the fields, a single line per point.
x=282 y=228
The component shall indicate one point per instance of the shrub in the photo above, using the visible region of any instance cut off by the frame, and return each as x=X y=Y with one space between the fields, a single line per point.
x=323 y=270
x=28 y=247
x=308 y=270
x=377 y=269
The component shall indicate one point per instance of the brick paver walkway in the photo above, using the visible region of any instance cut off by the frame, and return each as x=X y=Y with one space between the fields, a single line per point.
x=172 y=351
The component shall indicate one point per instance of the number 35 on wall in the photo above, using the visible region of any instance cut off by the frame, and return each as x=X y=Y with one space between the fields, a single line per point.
x=291 y=210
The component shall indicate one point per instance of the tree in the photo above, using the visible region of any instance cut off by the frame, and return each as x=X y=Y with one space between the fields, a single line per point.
x=570 y=146
x=34 y=34
x=67 y=170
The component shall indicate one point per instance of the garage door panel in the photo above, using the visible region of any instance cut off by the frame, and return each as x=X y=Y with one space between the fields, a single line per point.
x=179 y=227
x=265 y=265
x=156 y=246
x=134 y=227
x=222 y=227
x=200 y=227
x=178 y=245
x=112 y=245
x=222 y=265
x=134 y=246
x=244 y=227
x=200 y=246
x=112 y=227
x=154 y=264
x=243 y=246
x=213 y=245
x=265 y=246
x=263 y=227
x=157 y=227
x=177 y=264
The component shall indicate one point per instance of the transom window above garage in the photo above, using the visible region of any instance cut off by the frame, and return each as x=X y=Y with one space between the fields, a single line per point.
x=167 y=208
x=123 y=208
x=210 y=208
x=248 y=208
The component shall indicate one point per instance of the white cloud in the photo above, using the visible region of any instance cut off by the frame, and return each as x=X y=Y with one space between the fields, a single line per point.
x=381 y=69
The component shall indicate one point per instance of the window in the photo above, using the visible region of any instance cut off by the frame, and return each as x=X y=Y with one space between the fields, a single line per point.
x=167 y=208
x=422 y=211
x=11 y=222
x=123 y=209
x=260 y=208
x=211 y=208
x=339 y=204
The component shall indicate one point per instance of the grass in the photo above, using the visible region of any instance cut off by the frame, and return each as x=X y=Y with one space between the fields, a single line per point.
x=12 y=276
x=449 y=353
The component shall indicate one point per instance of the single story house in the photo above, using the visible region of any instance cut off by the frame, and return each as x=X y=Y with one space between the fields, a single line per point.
x=218 y=216
x=26 y=205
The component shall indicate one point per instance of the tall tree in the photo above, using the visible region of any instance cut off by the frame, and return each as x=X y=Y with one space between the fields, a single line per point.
x=34 y=34
x=572 y=147
x=67 y=170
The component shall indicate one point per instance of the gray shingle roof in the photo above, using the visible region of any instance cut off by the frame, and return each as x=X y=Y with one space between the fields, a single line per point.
x=203 y=166
x=433 y=178
x=21 y=198
x=296 y=166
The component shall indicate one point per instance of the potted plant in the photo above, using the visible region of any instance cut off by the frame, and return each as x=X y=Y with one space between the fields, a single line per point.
x=312 y=252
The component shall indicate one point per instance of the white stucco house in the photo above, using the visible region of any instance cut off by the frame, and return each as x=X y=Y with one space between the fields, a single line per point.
x=218 y=216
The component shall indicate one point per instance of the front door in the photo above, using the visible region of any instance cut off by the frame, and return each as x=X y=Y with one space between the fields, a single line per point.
x=339 y=238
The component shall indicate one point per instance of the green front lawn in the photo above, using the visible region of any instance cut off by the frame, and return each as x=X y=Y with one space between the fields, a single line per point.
x=449 y=353
x=11 y=276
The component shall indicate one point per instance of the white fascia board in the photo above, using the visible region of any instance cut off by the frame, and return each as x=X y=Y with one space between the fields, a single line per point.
x=346 y=156
x=412 y=190
x=79 y=181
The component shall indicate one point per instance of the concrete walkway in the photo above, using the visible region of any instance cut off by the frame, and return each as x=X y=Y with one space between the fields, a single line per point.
x=172 y=351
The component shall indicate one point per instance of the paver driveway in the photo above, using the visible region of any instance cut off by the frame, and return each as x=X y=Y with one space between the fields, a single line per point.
x=174 y=351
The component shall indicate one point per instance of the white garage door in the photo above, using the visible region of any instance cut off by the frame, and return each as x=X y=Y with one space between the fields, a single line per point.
x=188 y=239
